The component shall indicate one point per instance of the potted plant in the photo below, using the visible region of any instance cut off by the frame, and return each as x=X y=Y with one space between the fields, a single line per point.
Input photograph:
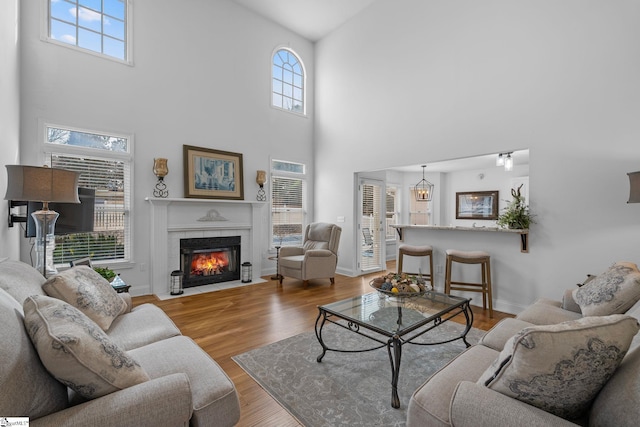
x=516 y=215
x=105 y=272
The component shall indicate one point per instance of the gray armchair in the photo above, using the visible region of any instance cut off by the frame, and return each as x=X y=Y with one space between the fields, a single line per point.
x=316 y=259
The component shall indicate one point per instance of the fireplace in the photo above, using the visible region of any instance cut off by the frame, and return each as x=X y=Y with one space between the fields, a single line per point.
x=209 y=260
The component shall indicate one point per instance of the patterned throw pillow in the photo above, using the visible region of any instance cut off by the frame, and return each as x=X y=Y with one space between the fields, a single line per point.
x=76 y=351
x=612 y=292
x=560 y=368
x=89 y=292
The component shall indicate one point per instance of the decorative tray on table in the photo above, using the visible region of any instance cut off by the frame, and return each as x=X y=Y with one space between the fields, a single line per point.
x=400 y=285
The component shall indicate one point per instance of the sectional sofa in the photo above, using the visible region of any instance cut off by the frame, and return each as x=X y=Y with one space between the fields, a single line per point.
x=75 y=353
x=558 y=363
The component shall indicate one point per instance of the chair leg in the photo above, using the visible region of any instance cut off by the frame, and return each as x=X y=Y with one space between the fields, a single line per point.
x=431 y=272
x=447 y=276
x=400 y=256
x=305 y=283
x=333 y=280
x=280 y=278
x=490 y=297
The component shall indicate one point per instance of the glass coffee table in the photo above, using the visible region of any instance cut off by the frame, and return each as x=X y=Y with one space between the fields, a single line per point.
x=399 y=321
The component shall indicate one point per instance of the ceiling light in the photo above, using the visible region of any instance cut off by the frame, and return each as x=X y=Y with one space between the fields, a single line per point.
x=500 y=160
x=508 y=162
x=424 y=189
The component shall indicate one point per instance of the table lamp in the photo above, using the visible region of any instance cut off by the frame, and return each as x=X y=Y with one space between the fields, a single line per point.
x=43 y=184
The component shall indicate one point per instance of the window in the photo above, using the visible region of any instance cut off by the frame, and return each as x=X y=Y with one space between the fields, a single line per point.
x=419 y=212
x=287 y=81
x=288 y=203
x=104 y=164
x=99 y=26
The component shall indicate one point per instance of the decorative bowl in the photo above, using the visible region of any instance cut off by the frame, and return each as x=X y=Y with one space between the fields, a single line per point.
x=400 y=285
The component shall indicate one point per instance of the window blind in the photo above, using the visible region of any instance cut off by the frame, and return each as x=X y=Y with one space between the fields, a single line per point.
x=109 y=241
x=287 y=210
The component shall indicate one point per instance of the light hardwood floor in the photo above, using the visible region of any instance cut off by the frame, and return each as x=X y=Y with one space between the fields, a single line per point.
x=229 y=322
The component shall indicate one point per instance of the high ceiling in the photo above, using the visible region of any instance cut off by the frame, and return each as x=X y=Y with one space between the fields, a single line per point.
x=315 y=19
x=312 y=19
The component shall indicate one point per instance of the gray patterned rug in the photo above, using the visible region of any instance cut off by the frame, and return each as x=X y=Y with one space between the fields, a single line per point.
x=346 y=389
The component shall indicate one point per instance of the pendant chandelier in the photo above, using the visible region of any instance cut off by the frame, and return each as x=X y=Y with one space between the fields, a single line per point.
x=424 y=189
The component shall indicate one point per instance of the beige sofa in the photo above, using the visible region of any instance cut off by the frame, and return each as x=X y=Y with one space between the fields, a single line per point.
x=179 y=383
x=458 y=394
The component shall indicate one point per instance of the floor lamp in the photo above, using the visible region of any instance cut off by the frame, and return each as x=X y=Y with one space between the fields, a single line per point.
x=43 y=184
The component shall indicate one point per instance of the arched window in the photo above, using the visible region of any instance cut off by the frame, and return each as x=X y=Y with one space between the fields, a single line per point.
x=287 y=81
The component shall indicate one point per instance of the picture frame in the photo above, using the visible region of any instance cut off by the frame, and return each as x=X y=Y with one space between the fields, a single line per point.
x=212 y=174
x=477 y=205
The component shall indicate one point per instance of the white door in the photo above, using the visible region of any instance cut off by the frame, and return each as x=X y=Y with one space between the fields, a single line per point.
x=370 y=226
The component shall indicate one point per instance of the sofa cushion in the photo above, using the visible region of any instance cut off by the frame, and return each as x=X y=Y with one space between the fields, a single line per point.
x=497 y=336
x=617 y=403
x=612 y=292
x=430 y=403
x=89 y=292
x=27 y=389
x=127 y=334
x=76 y=351
x=215 y=401
x=560 y=368
x=547 y=312
x=20 y=280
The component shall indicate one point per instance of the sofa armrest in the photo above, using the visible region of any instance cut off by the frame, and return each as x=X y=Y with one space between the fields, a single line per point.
x=318 y=253
x=126 y=297
x=568 y=303
x=478 y=406
x=291 y=251
x=158 y=402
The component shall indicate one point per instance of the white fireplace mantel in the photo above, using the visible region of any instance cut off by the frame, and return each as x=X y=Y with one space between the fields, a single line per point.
x=173 y=218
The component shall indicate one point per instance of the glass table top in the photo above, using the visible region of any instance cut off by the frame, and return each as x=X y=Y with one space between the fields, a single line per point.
x=390 y=315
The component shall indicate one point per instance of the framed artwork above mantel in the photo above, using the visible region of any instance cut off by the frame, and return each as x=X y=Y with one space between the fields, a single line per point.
x=477 y=205
x=212 y=174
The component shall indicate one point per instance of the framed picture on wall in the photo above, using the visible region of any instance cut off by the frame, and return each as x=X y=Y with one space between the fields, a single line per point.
x=477 y=205
x=212 y=174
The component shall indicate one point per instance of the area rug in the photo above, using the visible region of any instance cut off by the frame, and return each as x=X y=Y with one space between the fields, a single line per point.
x=347 y=389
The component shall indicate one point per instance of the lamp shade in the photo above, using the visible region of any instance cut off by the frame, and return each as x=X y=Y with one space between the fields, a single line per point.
x=634 y=187
x=41 y=184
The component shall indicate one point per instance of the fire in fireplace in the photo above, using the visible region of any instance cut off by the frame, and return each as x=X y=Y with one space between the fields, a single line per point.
x=209 y=260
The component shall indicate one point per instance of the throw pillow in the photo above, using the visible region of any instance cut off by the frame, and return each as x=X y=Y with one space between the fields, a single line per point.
x=612 y=292
x=560 y=368
x=76 y=351
x=89 y=292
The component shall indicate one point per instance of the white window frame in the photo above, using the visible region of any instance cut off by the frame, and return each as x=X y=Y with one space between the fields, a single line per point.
x=304 y=178
x=45 y=22
x=47 y=149
x=390 y=232
x=303 y=113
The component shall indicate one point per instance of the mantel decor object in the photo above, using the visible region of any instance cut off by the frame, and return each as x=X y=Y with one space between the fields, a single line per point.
x=212 y=174
x=261 y=178
x=160 y=169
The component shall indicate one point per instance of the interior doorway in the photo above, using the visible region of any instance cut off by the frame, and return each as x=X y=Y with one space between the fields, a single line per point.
x=371 y=250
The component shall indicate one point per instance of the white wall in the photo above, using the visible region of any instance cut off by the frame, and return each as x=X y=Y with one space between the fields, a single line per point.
x=413 y=81
x=201 y=76
x=9 y=117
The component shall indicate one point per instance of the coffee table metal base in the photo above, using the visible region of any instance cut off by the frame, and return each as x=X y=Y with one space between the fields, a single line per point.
x=394 y=343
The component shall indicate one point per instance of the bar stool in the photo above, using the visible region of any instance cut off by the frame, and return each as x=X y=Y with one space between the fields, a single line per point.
x=417 y=251
x=470 y=257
